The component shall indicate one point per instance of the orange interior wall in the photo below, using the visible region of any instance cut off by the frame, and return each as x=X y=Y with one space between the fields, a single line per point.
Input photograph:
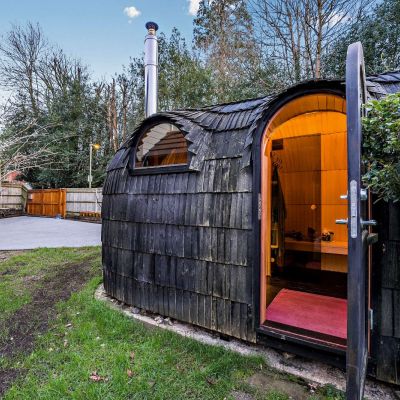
x=307 y=170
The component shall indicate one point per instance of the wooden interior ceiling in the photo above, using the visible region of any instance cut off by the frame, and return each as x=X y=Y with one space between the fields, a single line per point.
x=305 y=105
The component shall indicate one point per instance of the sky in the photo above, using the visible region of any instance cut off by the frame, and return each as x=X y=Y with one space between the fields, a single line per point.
x=104 y=34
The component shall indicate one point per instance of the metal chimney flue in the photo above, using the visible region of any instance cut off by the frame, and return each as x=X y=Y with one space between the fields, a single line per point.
x=151 y=69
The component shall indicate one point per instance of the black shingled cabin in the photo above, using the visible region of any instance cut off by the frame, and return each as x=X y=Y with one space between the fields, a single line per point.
x=225 y=217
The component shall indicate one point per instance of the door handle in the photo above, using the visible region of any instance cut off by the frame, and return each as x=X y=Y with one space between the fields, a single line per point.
x=363 y=195
x=345 y=221
x=370 y=222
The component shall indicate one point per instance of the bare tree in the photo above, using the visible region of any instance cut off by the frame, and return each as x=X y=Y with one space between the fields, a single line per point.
x=20 y=53
x=55 y=72
x=124 y=90
x=223 y=31
x=13 y=154
x=297 y=33
x=112 y=125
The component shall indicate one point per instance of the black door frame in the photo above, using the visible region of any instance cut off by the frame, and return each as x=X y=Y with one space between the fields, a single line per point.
x=274 y=339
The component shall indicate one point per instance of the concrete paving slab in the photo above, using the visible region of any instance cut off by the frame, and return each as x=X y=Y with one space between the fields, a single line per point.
x=25 y=233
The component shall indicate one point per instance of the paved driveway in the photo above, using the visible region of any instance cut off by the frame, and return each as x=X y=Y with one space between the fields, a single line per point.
x=19 y=233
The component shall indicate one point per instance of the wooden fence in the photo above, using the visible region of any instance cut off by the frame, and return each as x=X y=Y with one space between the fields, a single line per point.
x=84 y=201
x=70 y=202
x=47 y=202
x=13 y=196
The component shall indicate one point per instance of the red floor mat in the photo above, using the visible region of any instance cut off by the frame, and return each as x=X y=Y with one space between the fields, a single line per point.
x=323 y=314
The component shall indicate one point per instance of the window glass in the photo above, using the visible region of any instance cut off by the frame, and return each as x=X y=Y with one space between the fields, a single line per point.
x=162 y=145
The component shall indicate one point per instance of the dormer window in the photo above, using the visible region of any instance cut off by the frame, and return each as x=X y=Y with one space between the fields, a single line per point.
x=162 y=145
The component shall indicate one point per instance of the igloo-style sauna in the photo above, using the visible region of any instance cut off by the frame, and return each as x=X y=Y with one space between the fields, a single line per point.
x=249 y=219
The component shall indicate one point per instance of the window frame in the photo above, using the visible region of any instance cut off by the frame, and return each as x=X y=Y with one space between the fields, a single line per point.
x=167 y=169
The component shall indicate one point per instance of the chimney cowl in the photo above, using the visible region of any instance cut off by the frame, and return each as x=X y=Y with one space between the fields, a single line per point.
x=151 y=26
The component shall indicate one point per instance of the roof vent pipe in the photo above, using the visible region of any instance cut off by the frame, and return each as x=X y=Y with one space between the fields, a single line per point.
x=150 y=69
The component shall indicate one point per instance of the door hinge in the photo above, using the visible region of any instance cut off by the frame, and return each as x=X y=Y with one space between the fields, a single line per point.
x=371 y=318
x=259 y=206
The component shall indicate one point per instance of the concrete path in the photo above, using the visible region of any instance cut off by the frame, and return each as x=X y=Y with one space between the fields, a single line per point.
x=20 y=233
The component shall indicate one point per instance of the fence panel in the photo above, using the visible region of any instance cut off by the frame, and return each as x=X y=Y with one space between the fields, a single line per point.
x=13 y=196
x=83 y=200
x=47 y=202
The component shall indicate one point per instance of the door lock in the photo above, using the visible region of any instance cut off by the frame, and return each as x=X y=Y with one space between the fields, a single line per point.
x=353 y=209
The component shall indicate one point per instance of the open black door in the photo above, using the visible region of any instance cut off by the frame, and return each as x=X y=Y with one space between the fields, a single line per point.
x=358 y=237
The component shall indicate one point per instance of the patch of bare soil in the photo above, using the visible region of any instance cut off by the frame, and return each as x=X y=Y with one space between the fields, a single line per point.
x=6 y=254
x=238 y=395
x=33 y=318
x=269 y=381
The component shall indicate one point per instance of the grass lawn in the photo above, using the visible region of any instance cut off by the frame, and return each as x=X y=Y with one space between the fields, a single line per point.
x=58 y=342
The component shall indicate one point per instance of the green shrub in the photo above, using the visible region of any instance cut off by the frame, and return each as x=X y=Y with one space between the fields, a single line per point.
x=381 y=145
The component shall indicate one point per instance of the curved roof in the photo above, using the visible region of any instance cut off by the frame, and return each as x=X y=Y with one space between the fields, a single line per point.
x=383 y=84
x=238 y=120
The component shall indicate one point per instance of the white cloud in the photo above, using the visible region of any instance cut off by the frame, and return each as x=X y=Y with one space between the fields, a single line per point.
x=131 y=12
x=193 y=6
x=338 y=18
